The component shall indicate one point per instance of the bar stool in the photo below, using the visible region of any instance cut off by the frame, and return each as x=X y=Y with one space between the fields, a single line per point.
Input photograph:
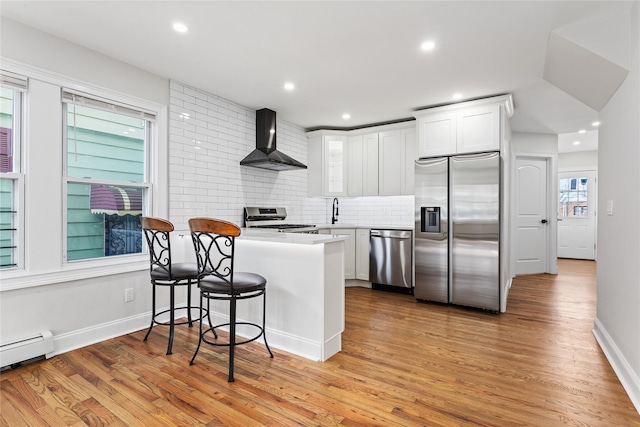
x=214 y=243
x=164 y=272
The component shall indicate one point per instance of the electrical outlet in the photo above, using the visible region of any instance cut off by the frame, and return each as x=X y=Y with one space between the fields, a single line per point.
x=129 y=295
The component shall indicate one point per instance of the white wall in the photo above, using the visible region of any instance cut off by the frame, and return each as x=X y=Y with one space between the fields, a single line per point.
x=30 y=46
x=579 y=159
x=617 y=325
x=534 y=143
x=79 y=305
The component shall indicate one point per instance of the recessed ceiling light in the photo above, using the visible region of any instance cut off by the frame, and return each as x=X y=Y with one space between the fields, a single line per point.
x=581 y=131
x=595 y=124
x=428 y=45
x=456 y=96
x=289 y=86
x=180 y=27
x=346 y=116
x=576 y=142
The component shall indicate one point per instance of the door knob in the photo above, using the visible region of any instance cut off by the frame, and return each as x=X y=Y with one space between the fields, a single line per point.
x=544 y=221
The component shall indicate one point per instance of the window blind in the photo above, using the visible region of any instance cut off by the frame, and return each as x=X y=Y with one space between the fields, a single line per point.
x=13 y=81
x=79 y=98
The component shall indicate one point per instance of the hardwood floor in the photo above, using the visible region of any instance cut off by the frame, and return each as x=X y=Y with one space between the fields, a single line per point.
x=403 y=363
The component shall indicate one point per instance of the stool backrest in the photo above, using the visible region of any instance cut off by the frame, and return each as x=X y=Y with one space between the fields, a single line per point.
x=157 y=231
x=214 y=242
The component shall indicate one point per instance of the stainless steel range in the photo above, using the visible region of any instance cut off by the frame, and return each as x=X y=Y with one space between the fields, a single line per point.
x=274 y=219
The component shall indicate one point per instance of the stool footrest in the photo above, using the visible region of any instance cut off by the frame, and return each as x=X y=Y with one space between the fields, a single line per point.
x=203 y=314
x=227 y=344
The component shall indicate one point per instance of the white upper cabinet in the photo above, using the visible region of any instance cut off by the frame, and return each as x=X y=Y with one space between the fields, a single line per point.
x=390 y=163
x=335 y=166
x=437 y=134
x=467 y=127
x=327 y=165
x=478 y=129
x=363 y=165
x=355 y=163
x=409 y=157
x=396 y=163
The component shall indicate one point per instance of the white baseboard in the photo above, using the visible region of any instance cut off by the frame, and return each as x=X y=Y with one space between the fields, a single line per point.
x=95 y=334
x=293 y=344
x=623 y=370
x=83 y=337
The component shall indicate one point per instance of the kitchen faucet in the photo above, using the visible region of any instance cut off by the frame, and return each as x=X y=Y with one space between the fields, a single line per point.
x=334 y=211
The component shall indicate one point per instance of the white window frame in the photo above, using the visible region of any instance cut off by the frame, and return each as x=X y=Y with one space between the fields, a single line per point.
x=100 y=103
x=20 y=86
x=34 y=274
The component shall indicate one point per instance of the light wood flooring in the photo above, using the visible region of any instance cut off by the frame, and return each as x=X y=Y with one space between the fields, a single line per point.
x=403 y=364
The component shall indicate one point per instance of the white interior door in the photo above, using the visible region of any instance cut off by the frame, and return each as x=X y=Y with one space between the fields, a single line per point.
x=576 y=215
x=531 y=221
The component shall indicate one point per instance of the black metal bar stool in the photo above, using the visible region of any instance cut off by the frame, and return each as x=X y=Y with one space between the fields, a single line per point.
x=164 y=272
x=214 y=242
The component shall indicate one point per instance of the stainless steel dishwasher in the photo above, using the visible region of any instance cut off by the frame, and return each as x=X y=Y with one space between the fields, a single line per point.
x=391 y=260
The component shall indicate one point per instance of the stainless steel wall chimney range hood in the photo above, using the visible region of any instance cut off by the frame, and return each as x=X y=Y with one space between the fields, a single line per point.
x=266 y=156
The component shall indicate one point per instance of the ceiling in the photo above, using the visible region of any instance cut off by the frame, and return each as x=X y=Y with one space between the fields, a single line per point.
x=361 y=58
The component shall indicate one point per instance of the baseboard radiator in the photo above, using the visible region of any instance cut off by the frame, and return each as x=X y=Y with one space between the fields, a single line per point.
x=21 y=350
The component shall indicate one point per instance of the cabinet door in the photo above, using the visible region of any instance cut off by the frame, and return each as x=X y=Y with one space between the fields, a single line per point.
x=355 y=168
x=349 y=249
x=315 y=167
x=370 y=165
x=478 y=129
x=437 y=135
x=408 y=159
x=335 y=166
x=362 y=254
x=349 y=253
x=390 y=163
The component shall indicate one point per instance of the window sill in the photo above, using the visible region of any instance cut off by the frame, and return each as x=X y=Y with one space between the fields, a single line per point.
x=19 y=279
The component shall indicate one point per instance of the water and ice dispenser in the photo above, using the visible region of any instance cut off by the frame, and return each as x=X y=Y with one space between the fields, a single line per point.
x=430 y=219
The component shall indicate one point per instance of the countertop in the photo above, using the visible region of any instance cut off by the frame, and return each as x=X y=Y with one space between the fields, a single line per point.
x=294 y=238
x=339 y=226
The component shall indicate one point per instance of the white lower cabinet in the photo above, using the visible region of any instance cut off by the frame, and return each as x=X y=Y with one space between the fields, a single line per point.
x=349 y=249
x=362 y=253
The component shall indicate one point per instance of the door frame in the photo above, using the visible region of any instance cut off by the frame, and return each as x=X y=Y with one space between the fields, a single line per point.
x=593 y=169
x=552 y=207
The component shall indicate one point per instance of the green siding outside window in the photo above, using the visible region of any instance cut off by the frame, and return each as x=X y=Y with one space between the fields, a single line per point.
x=109 y=148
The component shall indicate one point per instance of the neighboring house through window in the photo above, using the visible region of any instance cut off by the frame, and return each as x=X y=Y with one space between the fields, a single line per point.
x=107 y=184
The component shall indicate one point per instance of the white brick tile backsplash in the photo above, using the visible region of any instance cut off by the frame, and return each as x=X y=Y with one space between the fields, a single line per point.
x=206 y=177
x=205 y=153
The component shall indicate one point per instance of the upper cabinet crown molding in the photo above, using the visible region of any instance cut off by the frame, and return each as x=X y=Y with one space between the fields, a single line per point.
x=503 y=100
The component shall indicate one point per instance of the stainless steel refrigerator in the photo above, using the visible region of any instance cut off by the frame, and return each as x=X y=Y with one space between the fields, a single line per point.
x=457 y=230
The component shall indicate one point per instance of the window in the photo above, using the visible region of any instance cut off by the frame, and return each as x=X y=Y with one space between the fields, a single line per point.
x=12 y=88
x=574 y=197
x=107 y=185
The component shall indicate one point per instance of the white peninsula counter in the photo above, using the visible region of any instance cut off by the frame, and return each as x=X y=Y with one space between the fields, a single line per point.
x=305 y=290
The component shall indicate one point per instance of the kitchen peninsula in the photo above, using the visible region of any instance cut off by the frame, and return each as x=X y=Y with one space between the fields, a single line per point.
x=305 y=289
